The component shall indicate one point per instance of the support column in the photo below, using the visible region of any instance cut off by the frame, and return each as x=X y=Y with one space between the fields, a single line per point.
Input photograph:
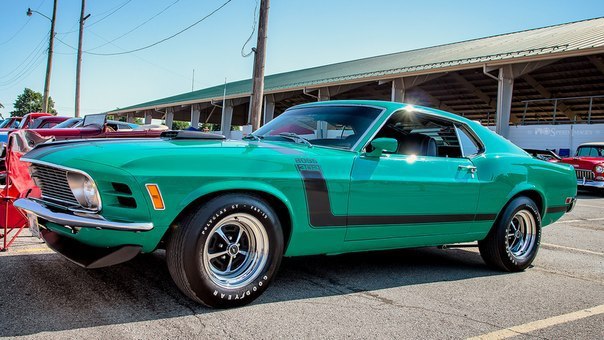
x=195 y=115
x=324 y=94
x=130 y=117
x=269 y=108
x=227 y=117
x=398 y=90
x=505 y=89
x=148 y=117
x=169 y=117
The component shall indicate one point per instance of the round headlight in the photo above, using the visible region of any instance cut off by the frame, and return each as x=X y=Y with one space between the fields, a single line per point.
x=599 y=168
x=84 y=190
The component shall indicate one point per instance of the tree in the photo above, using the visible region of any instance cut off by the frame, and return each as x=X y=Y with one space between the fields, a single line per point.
x=178 y=125
x=31 y=101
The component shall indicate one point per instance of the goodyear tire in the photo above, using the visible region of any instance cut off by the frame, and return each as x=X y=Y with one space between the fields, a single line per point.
x=514 y=239
x=226 y=253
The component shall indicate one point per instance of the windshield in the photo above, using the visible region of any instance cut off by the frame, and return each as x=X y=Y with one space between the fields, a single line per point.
x=68 y=123
x=10 y=123
x=329 y=125
x=591 y=151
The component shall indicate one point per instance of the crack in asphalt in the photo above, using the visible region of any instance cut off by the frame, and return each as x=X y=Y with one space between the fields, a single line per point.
x=555 y=272
x=338 y=287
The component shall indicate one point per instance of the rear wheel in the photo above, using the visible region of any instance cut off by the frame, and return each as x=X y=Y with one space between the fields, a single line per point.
x=513 y=242
x=227 y=252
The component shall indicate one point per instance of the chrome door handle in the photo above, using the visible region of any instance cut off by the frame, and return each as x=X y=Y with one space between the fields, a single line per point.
x=469 y=168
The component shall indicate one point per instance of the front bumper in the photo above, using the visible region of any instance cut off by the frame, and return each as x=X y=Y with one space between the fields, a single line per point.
x=72 y=220
x=590 y=184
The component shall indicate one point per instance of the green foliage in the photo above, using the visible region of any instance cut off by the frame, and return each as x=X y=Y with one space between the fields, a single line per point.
x=139 y=121
x=178 y=125
x=31 y=101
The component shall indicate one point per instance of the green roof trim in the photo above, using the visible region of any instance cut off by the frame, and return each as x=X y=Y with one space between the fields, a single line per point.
x=551 y=40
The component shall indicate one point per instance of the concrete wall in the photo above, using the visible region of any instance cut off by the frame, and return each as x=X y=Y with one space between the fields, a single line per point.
x=555 y=137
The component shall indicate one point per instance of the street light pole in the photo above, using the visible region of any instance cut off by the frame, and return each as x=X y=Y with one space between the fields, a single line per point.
x=259 y=61
x=79 y=62
x=50 y=52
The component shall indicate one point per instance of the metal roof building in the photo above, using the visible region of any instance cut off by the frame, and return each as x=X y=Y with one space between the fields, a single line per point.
x=547 y=75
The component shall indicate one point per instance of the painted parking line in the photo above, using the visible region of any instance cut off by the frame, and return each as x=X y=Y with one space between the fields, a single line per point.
x=555 y=246
x=540 y=324
x=30 y=250
x=584 y=220
x=591 y=206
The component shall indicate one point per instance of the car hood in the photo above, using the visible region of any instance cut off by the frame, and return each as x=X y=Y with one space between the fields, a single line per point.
x=151 y=151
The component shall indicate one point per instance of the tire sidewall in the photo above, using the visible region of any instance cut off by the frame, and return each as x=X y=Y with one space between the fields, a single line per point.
x=199 y=233
x=510 y=261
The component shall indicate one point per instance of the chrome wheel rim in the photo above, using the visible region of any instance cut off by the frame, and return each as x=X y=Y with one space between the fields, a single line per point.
x=236 y=251
x=521 y=234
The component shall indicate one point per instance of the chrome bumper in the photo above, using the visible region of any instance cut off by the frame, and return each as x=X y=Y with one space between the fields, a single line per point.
x=590 y=184
x=71 y=220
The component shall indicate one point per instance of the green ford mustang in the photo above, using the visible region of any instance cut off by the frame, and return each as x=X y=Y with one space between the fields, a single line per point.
x=322 y=178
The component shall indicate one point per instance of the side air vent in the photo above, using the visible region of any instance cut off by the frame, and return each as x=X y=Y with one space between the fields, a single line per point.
x=121 y=188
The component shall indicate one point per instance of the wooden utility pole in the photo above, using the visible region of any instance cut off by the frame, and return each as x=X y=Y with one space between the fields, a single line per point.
x=49 y=61
x=79 y=63
x=259 y=61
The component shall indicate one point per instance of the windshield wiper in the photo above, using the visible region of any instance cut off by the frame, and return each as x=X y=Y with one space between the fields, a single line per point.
x=253 y=136
x=296 y=138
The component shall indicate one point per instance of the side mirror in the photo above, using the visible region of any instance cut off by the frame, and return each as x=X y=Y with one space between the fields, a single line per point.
x=382 y=144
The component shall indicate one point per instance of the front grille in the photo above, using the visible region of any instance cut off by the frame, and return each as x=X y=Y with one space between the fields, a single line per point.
x=587 y=174
x=53 y=184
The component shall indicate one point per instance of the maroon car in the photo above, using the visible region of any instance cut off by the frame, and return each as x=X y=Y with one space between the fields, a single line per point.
x=589 y=165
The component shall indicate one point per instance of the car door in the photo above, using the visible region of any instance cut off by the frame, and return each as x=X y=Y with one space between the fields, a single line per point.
x=405 y=196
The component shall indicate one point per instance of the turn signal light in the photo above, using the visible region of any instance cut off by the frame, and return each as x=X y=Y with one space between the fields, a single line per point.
x=155 y=194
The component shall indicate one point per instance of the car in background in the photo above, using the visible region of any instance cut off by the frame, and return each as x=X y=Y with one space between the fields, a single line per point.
x=23 y=122
x=544 y=155
x=321 y=178
x=113 y=124
x=10 y=123
x=46 y=122
x=33 y=121
x=589 y=165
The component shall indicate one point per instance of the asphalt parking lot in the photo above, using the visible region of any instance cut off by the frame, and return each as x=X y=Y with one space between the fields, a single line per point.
x=413 y=293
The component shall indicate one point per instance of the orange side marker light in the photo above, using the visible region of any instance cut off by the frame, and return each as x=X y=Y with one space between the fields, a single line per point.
x=155 y=194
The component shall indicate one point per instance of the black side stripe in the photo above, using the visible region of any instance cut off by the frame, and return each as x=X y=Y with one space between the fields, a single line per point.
x=320 y=213
x=556 y=209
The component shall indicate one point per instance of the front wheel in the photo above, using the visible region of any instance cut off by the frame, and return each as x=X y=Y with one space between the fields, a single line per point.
x=227 y=252
x=513 y=242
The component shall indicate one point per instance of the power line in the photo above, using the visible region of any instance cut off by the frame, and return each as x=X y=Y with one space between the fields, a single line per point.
x=254 y=24
x=35 y=50
x=137 y=27
x=21 y=28
x=111 y=12
x=165 y=39
x=35 y=63
x=142 y=59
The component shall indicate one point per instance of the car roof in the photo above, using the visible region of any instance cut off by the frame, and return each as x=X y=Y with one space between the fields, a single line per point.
x=393 y=106
x=592 y=144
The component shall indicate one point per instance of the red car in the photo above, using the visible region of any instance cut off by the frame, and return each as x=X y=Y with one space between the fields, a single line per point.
x=24 y=122
x=589 y=165
x=14 y=174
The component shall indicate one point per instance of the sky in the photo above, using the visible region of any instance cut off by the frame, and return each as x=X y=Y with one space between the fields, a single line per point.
x=301 y=34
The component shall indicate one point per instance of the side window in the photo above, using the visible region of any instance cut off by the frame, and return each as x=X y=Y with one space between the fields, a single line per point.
x=469 y=146
x=421 y=135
